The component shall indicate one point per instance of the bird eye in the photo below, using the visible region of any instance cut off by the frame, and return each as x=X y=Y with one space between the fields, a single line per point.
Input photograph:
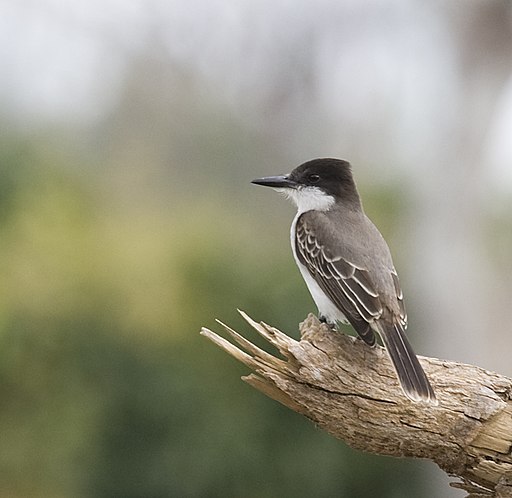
x=313 y=178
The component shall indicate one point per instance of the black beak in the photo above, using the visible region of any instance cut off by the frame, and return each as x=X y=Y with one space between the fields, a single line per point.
x=281 y=181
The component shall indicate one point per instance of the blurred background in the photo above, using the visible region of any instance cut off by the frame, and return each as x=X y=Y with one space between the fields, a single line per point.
x=130 y=132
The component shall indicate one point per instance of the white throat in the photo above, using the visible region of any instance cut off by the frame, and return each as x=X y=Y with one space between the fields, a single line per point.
x=309 y=198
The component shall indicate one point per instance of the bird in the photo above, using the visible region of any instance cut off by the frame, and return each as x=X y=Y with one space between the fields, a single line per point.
x=347 y=264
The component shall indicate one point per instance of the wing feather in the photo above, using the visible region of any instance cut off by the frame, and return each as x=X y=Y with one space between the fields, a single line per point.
x=348 y=286
x=400 y=298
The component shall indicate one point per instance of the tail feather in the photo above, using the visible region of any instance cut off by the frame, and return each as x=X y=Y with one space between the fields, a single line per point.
x=410 y=374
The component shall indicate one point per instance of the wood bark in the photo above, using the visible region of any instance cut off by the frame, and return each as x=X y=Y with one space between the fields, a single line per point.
x=350 y=390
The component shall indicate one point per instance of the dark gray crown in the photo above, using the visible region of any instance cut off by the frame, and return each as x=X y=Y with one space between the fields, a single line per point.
x=333 y=176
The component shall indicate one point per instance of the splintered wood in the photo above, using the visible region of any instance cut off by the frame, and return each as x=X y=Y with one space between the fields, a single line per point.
x=350 y=390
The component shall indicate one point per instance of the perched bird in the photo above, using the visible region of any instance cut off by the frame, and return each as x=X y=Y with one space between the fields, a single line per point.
x=347 y=264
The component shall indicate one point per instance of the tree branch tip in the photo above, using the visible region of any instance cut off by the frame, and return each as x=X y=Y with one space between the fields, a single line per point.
x=255 y=325
x=252 y=349
x=263 y=329
x=228 y=347
x=235 y=335
x=206 y=332
x=245 y=316
x=227 y=328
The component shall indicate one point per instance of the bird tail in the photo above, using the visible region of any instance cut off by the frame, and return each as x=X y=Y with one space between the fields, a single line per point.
x=410 y=374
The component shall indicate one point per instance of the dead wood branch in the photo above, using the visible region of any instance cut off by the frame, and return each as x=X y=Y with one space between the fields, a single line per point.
x=351 y=391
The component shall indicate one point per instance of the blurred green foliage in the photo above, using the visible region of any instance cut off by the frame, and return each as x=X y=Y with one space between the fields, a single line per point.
x=107 y=388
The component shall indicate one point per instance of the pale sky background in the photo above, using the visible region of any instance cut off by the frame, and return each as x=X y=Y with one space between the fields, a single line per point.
x=64 y=61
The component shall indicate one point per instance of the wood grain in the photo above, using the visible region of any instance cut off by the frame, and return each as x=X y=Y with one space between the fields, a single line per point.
x=350 y=390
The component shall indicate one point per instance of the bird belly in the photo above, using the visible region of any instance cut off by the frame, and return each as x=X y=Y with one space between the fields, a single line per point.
x=326 y=308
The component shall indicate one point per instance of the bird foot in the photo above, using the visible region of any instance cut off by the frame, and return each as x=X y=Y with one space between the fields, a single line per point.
x=331 y=325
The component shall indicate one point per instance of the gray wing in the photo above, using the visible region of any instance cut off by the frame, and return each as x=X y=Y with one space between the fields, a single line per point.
x=349 y=286
x=400 y=300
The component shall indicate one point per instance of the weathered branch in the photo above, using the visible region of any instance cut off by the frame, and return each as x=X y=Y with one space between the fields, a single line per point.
x=351 y=391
